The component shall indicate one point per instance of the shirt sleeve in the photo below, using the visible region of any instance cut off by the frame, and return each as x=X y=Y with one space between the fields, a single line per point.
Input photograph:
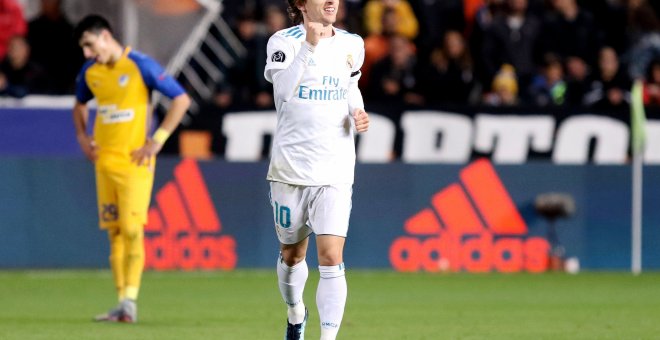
x=355 y=100
x=279 y=55
x=286 y=74
x=155 y=76
x=83 y=93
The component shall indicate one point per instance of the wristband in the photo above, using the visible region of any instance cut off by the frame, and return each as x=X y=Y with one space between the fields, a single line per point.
x=160 y=136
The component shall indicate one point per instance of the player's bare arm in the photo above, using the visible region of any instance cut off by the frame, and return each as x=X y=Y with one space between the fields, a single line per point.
x=361 y=120
x=173 y=117
x=86 y=142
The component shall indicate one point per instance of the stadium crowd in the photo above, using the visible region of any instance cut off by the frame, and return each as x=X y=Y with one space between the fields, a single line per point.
x=477 y=52
x=568 y=53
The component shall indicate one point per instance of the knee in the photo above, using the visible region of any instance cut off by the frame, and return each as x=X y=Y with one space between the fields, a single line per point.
x=132 y=232
x=291 y=258
x=330 y=257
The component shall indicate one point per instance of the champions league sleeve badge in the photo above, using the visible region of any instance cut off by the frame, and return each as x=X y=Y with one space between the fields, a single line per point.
x=278 y=57
x=349 y=61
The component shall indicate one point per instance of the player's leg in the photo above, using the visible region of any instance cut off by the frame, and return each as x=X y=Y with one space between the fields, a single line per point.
x=117 y=249
x=329 y=217
x=132 y=234
x=292 y=273
x=133 y=237
x=289 y=211
x=134 y=196
x=332 y=289
x=109 y=220
x=108 y=207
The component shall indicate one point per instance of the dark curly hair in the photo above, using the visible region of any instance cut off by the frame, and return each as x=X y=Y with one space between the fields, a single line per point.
x=295 y=14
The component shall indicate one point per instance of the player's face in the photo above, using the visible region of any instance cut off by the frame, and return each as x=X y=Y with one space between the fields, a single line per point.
x=96 y=46
x=323 y=11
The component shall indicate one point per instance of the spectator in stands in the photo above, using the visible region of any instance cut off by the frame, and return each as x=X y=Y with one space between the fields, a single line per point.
x=408 y=26
x=211 y=115
x=233 y=9
x=274 y=19
x=249 y=86
x=549 y=88
x=449 y=77
x=393 y=78
x=18 y=75
x=470 y=10
x=652 y=84
x=476 y=32
x=610 y=87
x=435 y=18
x=644 y=38
x=571 y=33
x=484 y=15
x=12 y=23
x=354 y=18
x=53 y=48
x=512 y=39
x=639 y=15
x=577 y=81
x=504 y=90
x=610 y=18
x=342 y=18
x=377 y=45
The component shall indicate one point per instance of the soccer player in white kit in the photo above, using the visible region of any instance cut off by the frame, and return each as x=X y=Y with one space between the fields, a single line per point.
x=314 y=69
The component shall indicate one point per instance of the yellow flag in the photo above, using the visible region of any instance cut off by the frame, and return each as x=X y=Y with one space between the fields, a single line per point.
x=637 y=117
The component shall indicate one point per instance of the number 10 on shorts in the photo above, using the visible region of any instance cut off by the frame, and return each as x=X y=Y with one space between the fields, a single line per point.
x=282 y=215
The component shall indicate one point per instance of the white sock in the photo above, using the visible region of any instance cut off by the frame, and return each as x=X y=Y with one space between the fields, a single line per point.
x=291 y=281
x=331 y=299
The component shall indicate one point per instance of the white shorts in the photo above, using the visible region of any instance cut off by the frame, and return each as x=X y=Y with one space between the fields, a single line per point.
x=300 y=210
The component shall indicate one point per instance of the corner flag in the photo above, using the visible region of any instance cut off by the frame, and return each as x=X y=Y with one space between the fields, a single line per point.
x=638 y=141
x=637 y=117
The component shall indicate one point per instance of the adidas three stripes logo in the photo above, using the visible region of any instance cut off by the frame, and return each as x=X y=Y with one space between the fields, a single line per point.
x=473 y=226
x=183 y=231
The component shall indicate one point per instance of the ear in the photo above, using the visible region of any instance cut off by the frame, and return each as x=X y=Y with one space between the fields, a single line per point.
x=105 y=35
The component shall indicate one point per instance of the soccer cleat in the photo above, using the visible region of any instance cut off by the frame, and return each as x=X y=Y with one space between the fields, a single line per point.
x=126 y=312
x=297 y=331
x=129 y=311
x=112 y=315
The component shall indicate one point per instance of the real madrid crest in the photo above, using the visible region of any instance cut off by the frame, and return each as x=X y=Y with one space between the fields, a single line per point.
x=349 y=61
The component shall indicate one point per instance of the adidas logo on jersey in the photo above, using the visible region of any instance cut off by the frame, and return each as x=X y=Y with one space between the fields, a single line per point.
x=184 y=228
x=472 y=226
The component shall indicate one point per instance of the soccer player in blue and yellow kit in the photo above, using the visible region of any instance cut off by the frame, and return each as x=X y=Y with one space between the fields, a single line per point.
x=121 y=149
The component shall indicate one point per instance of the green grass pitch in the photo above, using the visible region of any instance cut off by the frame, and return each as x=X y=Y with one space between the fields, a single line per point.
x=245 y=304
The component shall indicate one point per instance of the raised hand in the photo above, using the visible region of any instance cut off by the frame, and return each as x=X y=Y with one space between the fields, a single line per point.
x=314 y=31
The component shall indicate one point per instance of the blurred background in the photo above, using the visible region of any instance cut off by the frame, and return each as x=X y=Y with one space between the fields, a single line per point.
x=500 y=136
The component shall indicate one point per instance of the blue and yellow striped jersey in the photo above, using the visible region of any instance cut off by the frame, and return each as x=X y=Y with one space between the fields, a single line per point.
x=122 y=91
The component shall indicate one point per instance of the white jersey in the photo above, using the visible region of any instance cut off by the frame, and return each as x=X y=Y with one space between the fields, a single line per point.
x=315 y=95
